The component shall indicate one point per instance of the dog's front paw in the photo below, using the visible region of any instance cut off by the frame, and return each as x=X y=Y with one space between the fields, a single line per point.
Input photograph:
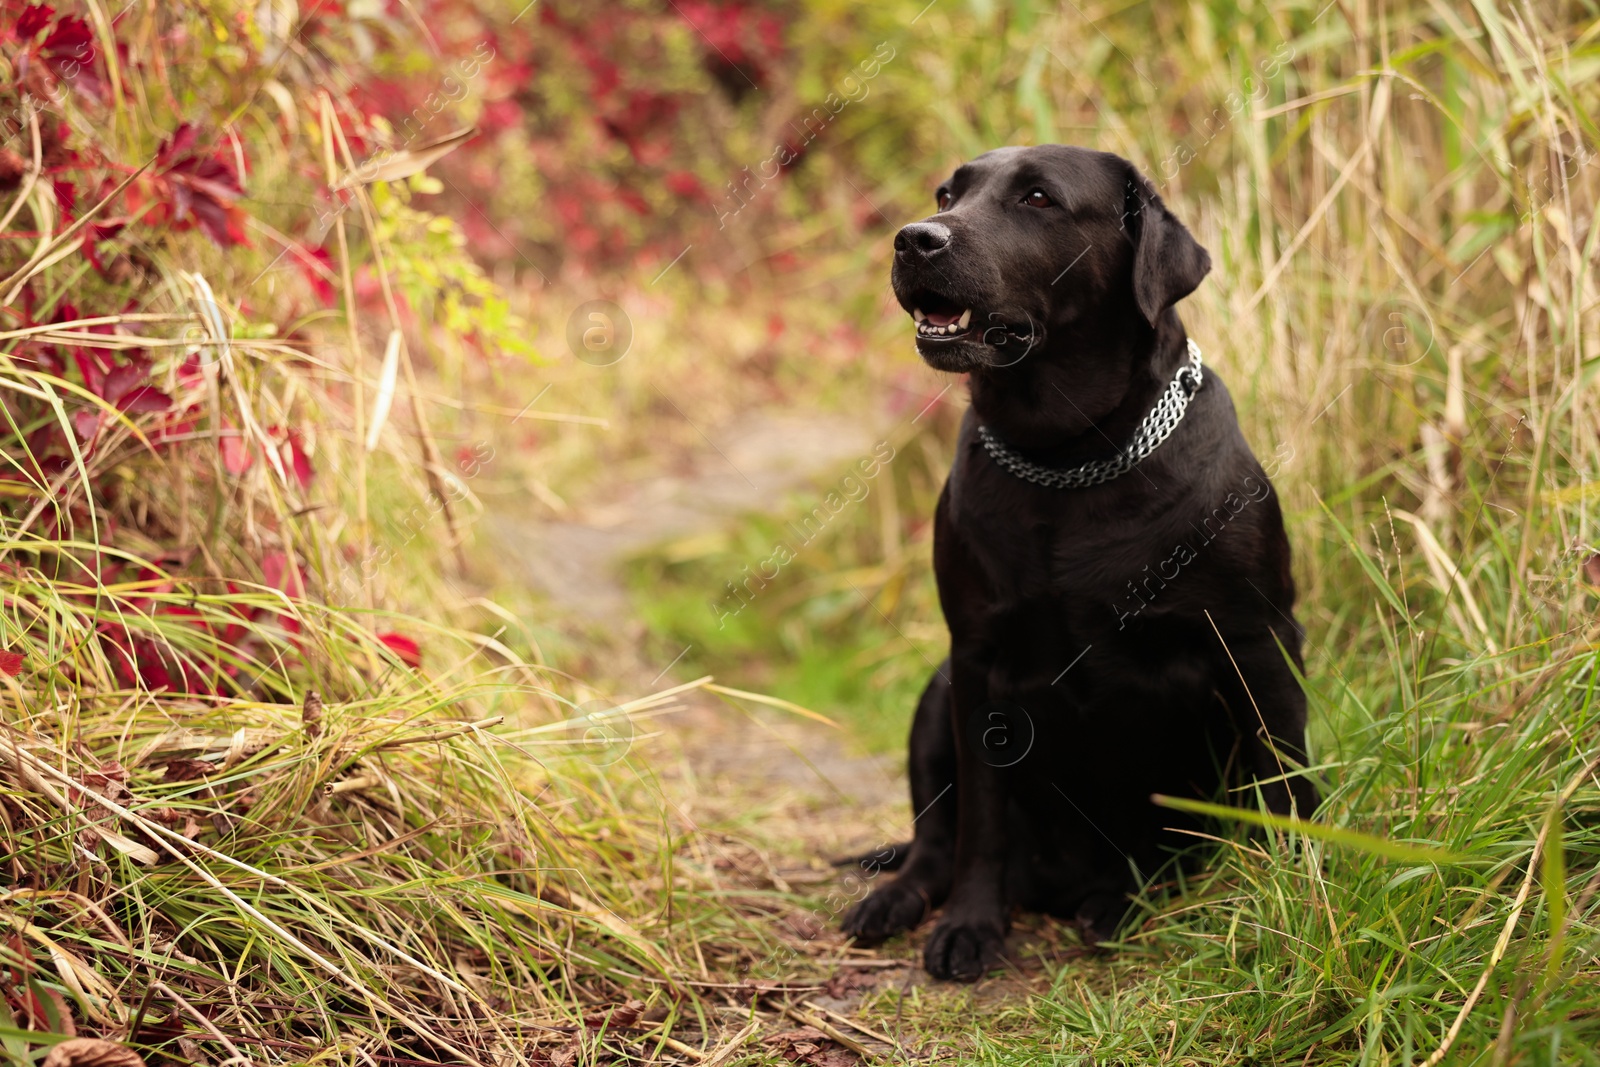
x=963 y=950
x=899 y=905
x=1099 y=917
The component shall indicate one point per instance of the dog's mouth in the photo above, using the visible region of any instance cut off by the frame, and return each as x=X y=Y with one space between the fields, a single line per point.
x=943 y=321
x=939 y=318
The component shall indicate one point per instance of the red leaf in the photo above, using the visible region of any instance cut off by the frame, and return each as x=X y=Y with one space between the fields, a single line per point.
x=403 y=647
x=281 y=574
x=145 y=398
x=682 y=183
x=66 y=196
x=93 y=367
x=69 y=52
x=10 y=662
x=33 y=19
x=121 y=380
x=236 y=453
x=181 y=141
x=12 y=168
x=299 y=462
x=317 y=265
x=86 y=422
x=97 y=232
x=202 y=188
x=71 y=37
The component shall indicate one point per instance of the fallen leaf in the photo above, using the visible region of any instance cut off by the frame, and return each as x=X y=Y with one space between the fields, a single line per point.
x=108 y=779
x=850 y=979
x=45 y=1009
x=299 y=463
x=201 y=187
x=91 y=1052
x=188 y=770
x=10 y=662
x=317 y=266
x=1591 y=569
x=68 y=50
x=12 y=168
x=811 y=1046
x=617 y=1018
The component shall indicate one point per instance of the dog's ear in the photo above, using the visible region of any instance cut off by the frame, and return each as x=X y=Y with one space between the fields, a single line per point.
x=1168 y=263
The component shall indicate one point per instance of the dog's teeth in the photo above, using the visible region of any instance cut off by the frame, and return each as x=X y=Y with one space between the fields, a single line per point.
x=966 y=317
x=917 y=314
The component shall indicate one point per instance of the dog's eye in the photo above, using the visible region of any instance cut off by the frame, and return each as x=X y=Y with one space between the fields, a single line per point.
x=943 y=199
x=1038 y=198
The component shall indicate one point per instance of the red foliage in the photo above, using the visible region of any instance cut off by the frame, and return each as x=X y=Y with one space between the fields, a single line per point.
x=236 y=454
x=316 y=264
x=65 y=56
x=195 y=186
x=199 y=188
x=283 y=575
x=118 y=378
x=585 y=70
x=291 y=450
x=741 y=42
x=403 y=647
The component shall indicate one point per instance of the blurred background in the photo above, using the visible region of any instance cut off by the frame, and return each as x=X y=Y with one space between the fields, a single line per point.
x=465 y=470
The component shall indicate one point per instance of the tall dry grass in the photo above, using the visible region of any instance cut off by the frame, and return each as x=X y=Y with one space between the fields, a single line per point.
x=274 y=786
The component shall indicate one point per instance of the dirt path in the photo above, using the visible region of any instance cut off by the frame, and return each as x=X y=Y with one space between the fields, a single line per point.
x=749 y=466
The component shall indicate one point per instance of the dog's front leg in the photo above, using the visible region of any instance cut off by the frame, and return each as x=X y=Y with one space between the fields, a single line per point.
x=1269 y=707
x=971 y=935
x=924 y=880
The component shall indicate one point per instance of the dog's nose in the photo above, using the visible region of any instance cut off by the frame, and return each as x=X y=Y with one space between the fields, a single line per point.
x=925 y=238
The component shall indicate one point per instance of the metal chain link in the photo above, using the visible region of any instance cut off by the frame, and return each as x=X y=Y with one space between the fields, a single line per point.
x=1156 y=428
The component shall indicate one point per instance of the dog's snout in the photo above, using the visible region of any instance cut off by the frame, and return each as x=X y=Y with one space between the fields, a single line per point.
x=927 y=239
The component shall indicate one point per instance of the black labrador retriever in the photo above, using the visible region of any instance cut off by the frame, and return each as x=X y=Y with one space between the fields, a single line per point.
x=1110 y=558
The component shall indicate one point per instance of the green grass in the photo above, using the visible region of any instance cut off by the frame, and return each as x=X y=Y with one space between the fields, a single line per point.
x=849 y=627
x=1318 y=943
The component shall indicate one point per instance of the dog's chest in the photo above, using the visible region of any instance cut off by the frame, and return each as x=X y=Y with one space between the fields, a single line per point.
x=1063 y=550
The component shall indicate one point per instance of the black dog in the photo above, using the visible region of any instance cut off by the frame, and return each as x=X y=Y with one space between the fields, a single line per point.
x=1110 y=557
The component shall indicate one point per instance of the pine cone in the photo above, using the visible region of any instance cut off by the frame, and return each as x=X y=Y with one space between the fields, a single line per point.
x=311 y=715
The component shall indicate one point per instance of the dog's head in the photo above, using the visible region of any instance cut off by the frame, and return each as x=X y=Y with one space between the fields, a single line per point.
x=1033 y=242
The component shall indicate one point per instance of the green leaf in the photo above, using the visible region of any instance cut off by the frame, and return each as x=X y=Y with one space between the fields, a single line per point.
x=1334 y=835
x=1553 y=879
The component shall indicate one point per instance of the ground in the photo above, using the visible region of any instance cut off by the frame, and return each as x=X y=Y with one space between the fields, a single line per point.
x=819 y=795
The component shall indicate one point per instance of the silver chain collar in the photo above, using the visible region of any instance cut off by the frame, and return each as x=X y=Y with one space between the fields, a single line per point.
x=1156 y=428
